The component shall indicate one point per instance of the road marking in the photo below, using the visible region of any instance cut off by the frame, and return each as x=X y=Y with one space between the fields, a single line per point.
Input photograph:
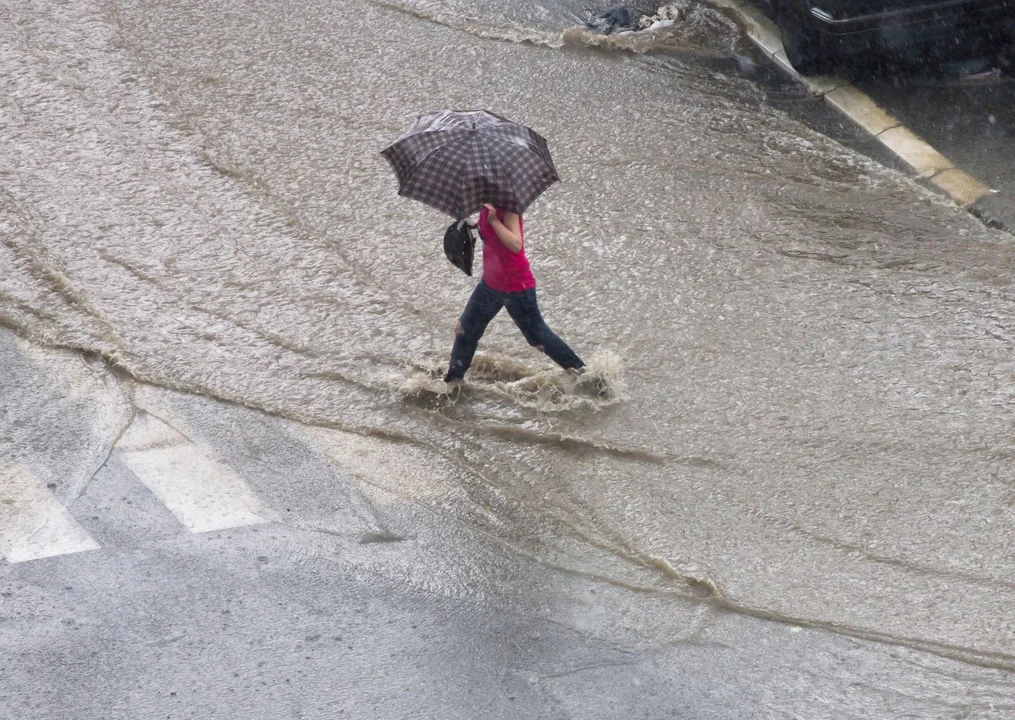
x=855 y=104
x=33 y=523
x=920 y=156
x=962 y=187
x=201 y=492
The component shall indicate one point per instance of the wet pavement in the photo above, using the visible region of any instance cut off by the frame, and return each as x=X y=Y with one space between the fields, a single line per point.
x=796 y=497
x=351 y=597
x=971 y=123
x=959 y=101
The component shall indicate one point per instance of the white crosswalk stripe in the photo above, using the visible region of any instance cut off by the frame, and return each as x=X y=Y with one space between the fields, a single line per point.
x=33 y=523
x=202 y=493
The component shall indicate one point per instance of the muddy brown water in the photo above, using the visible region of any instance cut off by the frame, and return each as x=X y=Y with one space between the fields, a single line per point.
x=810 y=356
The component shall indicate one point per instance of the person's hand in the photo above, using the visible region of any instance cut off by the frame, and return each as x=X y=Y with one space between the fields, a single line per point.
x=490 y=207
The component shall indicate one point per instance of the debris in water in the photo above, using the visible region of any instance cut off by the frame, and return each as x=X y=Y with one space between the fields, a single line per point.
x=665 y=16
x=620 y=19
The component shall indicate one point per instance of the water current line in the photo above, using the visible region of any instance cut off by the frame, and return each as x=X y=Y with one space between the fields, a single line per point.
x=115 y=360
x=712 y=595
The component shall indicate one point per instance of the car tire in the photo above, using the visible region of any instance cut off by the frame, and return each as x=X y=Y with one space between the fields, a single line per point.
x=802 y=44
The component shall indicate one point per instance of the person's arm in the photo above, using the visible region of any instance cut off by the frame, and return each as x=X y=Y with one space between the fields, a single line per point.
x=509 y=232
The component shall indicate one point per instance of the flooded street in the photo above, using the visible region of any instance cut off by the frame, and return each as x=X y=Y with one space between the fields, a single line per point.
x=811 y=420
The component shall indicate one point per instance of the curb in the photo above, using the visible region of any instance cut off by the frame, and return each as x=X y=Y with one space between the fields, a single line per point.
x=927 y=163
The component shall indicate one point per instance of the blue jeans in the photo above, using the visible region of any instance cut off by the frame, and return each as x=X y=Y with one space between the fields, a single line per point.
x=483 y=306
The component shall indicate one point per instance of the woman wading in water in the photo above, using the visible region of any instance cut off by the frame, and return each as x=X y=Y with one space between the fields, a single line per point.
x=507 y=283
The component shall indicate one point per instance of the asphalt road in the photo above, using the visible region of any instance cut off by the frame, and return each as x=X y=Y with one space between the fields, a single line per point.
x=165 y=554
x=191 y=558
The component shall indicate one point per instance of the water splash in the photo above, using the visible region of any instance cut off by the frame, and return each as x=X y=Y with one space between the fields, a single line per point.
x=544 y=389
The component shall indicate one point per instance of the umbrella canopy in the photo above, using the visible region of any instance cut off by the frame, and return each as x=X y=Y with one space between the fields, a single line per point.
x=458 y=161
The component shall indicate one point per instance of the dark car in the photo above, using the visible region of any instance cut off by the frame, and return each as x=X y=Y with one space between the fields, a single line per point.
x=817 y=32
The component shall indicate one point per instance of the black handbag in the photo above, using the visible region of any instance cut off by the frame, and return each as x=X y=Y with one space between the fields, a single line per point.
x=460 y=246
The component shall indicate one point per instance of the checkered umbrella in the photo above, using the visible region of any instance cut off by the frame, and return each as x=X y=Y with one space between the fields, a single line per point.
x=457 y=161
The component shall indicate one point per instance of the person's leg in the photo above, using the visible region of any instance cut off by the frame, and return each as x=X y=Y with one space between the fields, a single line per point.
x=480 y=310
x=524 y=310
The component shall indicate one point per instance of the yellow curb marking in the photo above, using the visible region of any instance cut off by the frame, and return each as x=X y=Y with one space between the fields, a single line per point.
x=927 y=162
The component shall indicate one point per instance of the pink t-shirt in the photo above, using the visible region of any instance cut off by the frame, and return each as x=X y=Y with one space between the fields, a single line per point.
x=503 y=270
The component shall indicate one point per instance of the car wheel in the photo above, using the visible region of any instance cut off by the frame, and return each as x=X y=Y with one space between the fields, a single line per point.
x=802 y=44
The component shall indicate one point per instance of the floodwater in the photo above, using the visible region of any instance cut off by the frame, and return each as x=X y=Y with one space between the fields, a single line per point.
x=810 y=366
